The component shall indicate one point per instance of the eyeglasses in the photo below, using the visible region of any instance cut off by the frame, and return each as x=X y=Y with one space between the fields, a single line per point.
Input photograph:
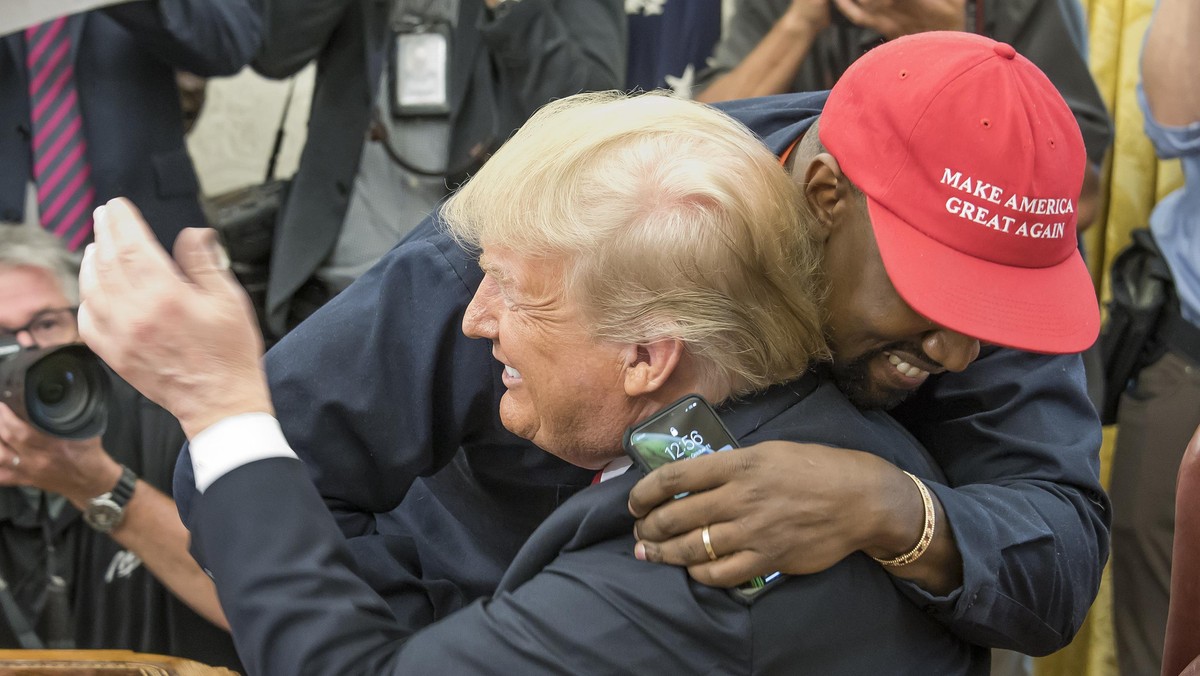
x=49 y=327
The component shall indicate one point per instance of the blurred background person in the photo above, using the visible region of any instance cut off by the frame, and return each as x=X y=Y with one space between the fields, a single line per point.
x=410 y=97
x=1160 y=408
x=90 y=109
x=82 y=537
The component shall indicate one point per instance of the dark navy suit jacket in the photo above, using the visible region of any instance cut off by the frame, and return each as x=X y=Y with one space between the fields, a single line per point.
x=125 y=59
x=574 y=600
x=395 y=414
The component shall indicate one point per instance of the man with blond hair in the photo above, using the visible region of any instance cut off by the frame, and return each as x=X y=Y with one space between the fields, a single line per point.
x=634 y=250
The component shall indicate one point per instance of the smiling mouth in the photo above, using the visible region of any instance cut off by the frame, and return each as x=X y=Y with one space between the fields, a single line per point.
x=510 y=375
x=904 y=368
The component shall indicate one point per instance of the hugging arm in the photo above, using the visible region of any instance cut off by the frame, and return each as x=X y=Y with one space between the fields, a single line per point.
x=391 y=340
x=1018 y=441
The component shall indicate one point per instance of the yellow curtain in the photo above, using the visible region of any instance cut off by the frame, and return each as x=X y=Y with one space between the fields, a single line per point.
x=1132 y=181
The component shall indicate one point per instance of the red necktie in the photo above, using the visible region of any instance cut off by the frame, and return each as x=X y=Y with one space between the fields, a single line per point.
x=60 y=168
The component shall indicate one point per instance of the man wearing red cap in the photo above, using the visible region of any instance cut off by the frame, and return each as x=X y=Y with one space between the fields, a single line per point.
x=980 y=242
x=1008 y=549
x=948 y=219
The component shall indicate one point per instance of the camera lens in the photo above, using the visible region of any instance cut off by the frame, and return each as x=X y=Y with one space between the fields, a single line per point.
x=52 y=393
x=66 y=393
x=57 y=397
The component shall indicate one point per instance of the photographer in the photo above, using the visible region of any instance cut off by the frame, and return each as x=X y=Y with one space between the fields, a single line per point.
x=73 y=538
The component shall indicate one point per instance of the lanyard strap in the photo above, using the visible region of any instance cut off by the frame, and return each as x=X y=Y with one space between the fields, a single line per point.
x=16 y=620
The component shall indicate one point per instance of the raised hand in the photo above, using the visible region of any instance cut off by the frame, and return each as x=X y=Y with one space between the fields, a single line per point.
x=181 y=331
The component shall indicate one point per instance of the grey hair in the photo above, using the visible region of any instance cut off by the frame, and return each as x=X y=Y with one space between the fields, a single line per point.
x=22 y=246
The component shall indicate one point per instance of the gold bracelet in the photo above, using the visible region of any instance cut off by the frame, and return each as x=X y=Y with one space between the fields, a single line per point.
x=926 y=534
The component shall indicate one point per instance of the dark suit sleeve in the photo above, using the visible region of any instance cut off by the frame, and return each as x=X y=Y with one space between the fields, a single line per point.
x=295 y=32
x=380 y=386
x=285 y=581
x=586 y=613
x=200 y=36
x=284 y=576
x=1018 y=441
x=778 y=120
x=548 y=49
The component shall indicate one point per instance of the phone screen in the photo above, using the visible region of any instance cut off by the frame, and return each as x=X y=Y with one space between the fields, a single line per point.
x=686 y=429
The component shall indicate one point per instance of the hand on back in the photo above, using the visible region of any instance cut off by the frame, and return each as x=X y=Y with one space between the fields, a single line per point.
x=774 y=506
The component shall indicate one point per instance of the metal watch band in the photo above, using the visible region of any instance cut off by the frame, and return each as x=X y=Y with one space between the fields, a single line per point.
x=123 y=491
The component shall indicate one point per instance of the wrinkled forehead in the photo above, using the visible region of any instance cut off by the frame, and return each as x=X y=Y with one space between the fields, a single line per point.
x=533 y=278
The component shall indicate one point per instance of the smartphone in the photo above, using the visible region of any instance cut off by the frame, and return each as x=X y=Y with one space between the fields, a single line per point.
x=687 y=428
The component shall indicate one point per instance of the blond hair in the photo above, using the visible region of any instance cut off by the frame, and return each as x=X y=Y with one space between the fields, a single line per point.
x=673 y=220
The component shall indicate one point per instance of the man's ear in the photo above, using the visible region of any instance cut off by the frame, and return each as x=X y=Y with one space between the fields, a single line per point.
x=823 y=191
x=649 y=366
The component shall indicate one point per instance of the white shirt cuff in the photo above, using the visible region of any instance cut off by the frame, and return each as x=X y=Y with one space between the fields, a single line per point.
x=235 y=441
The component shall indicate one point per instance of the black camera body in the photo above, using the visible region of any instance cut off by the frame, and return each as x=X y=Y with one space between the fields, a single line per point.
x=63 y=391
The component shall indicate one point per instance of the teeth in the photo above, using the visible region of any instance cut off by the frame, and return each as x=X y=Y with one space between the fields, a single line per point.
x=512 y=372
x=906 y=368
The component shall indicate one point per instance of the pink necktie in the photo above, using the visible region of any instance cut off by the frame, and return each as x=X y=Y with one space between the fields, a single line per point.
x=60 y=168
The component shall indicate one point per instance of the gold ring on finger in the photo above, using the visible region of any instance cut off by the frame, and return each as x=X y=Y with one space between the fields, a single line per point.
x=712 y=555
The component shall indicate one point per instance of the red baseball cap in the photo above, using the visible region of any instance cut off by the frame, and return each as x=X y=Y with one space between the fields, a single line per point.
x=972 y=165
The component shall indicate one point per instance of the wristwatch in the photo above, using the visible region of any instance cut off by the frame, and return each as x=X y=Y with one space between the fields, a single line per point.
x=105 y=512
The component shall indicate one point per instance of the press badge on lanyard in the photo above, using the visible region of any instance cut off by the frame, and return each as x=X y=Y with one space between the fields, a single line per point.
x=420 y=67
